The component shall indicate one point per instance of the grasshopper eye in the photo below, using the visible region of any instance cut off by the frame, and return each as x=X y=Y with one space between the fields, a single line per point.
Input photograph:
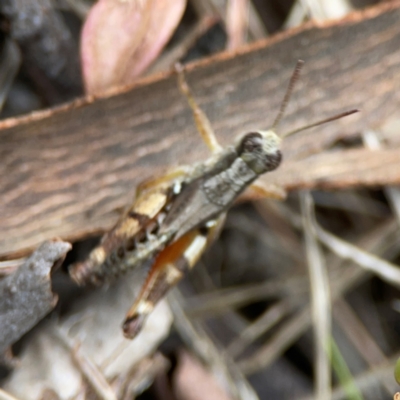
x=260 y=151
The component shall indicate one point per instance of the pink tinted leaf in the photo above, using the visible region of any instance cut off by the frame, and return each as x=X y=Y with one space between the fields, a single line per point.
x=191 y=381
x=237 y=15
x=121 y=38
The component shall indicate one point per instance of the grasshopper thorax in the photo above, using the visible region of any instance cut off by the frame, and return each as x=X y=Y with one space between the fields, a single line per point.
x=260 y=151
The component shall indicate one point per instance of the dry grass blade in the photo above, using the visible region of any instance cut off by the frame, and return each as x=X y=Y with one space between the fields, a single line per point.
x=144 y=372
x=9 y=65
x=257 y=29
x=296 y=15
x=89 y=370
x=94 y=376
x=218 y=301
x=261 y=325
x=320 y=301
x=278 y=343
x=6 y=396
x=79 y=7
x=295 y=327
x=300 y=322
x=168 y=59
x=219 y=363
x=393 y=194
x=361 y=339
x=384 y=269
x=365 y=381
x=325 y=9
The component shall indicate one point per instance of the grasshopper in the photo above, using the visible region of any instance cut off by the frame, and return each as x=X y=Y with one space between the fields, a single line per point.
x=175 y=217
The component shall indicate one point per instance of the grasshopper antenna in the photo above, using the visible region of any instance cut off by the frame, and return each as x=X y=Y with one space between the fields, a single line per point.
x=294 y=78
x=323 y=121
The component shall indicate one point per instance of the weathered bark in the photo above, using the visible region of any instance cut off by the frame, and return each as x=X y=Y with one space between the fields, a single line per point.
x=26 y=295
x=68 y=172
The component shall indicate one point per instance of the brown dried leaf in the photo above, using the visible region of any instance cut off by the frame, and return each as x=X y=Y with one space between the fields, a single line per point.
x=192 y=382
x=121 y=38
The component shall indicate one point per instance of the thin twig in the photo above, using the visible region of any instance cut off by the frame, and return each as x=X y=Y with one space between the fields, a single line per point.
x=384 y=269
x=88 y=368
x=171 y=56
x=267 y=320
x=221 y=364
x=320 y=301
x=360 y=338
x=299 y=323
x=217 y=301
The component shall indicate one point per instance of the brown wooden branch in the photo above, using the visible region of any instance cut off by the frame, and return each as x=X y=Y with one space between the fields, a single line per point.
x=68 y=172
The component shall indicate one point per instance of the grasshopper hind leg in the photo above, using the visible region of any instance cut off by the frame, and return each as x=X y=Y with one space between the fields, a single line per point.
x=168 y=269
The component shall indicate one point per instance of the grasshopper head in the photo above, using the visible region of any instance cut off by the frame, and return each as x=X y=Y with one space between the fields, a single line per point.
x=260 y=151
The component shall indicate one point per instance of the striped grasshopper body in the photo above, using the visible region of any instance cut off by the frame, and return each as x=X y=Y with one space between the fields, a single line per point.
x=175 y=217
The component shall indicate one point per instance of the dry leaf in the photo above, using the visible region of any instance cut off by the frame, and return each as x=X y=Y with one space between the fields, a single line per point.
x=192 y=381
x=121 y=38
x=25 y=295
